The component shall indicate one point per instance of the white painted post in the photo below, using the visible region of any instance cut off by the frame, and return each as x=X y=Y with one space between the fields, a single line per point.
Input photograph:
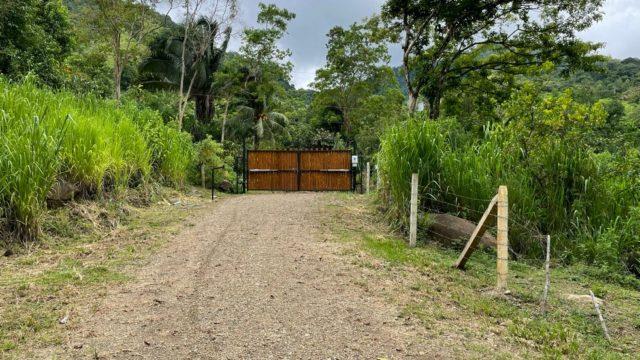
x=547 y=283
x=202 y=176
x=367 y=177
x=502 y=238
x=413 y=216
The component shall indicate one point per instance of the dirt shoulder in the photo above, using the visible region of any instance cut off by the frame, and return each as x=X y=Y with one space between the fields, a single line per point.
x=87 y=248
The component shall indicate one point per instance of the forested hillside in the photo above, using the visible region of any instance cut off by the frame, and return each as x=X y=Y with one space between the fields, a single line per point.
x=537 y=109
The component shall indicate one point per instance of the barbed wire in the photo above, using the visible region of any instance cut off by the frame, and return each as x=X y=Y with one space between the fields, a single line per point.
x=510 y=218
x=524 y=224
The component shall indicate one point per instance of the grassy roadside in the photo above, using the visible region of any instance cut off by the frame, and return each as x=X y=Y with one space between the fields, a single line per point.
x=460 y=307
x=87 y=247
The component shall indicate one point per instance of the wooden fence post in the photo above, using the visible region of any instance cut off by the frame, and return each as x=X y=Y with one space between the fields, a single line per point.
x=502 y=238
x=367 y=178
x=472 y=243
x=413 y=216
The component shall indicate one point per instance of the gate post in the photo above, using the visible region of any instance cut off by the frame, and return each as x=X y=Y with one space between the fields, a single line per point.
x=298 y=171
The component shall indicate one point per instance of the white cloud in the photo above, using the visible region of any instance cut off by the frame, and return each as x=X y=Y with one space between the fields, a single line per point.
x=619 y=29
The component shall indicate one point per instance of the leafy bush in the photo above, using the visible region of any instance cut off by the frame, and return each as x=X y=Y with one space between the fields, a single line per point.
x=212 y=154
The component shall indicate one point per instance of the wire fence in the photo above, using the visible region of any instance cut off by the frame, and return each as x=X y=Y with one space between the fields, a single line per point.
x=531 y=241
x=445 y=201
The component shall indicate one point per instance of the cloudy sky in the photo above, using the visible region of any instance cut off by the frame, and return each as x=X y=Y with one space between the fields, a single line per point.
x=619 y=30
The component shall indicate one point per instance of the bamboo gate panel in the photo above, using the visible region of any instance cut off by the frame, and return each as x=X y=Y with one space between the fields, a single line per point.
x=299 y=170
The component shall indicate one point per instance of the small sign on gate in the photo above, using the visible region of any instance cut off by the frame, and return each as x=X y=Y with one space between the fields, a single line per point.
x=354 y=161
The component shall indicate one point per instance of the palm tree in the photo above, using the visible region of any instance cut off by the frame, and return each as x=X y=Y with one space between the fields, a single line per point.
x=202 y=59
x=249 y=122
x=254 y=117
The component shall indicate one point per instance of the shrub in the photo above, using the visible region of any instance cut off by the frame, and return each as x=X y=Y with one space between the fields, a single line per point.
x=212 y=154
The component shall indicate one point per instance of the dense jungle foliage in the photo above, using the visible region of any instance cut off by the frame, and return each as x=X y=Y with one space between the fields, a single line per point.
x=112 y=94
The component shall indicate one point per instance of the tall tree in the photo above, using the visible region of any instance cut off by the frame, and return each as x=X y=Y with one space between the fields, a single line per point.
x=199 y=41
x=127 y=23
x=354 y=59
x=200 y=59
x=227 y=84
x=443 y=40
x=265 y=68
x=186 y=57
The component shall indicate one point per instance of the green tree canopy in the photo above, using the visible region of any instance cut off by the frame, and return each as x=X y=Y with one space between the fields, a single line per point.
x=35 y=37
x=353 y=68
x=443 y=41
x=264 y=70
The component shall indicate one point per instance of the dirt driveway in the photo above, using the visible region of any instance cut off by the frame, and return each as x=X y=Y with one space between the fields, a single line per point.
x=254 y=279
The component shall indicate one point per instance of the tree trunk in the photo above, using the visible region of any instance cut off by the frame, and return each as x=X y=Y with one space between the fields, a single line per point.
x=204 y=108
x=413 y=102
x=203 y=176
x=256 y=142
x=224 y=121
x=346 y=121
x=412 y=90
x=434 y=107
x=183 y=99
x=117 y=66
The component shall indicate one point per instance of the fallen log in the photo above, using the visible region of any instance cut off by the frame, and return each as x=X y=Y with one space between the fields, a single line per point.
x=445 y=227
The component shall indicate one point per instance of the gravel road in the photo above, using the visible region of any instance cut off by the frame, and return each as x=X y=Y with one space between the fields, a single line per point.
x=253 y=279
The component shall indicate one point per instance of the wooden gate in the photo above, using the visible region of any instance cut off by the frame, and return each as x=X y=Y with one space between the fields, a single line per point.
x=299 y=170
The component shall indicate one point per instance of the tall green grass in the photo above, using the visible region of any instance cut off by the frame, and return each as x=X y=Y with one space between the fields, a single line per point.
x=29 y=163
x=172 y=151
x=564 y=190
x=99 y=147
